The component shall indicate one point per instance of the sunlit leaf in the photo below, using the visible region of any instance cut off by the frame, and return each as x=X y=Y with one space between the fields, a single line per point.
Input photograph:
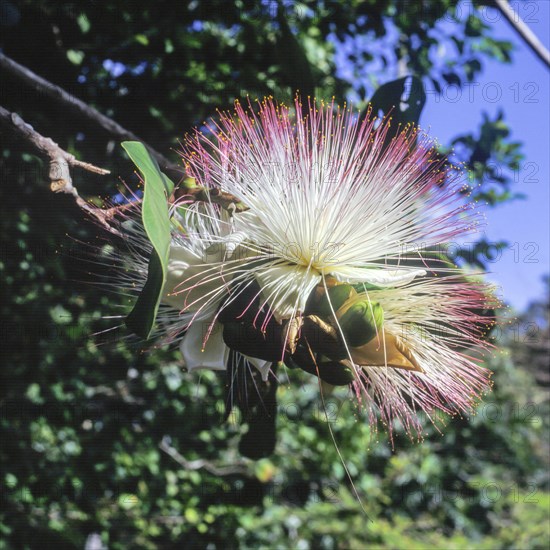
x=157 y=188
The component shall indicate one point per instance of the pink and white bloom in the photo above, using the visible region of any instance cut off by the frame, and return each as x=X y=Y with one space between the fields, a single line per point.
x=325 y=197
x=329 y=200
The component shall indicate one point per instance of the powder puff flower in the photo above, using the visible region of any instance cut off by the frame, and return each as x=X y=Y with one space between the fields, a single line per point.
x=328 y=267
x=325 y=197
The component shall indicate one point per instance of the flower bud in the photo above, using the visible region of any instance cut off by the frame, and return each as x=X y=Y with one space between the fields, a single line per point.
x=189 y=183
x=323 y=338
x=330 y=301
x=360 y=321
x=336 y=374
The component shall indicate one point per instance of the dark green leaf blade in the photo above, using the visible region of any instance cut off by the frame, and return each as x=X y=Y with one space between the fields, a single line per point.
x=141 y=318
x=403 y=99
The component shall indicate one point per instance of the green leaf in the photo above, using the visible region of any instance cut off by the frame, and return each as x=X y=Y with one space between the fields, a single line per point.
x=156 y=222
x=402 y=100
x=142 y=39
x=83 y=22
x=75 y=56
x=141 y=318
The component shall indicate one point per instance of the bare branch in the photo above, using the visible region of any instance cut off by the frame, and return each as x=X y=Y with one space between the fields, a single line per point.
x=25 y=75
x=60 y=162
x=240 y=468
x=61 y=181
x=69 y=101
x=528 y=36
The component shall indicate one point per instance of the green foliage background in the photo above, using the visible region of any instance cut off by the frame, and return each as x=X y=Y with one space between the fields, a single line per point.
x=82 y=416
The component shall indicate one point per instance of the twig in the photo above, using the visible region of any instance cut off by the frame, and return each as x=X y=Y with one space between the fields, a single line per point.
x=60 y=161
x=61 y=181
x=71 y=102
x=240 y=468
x=25 y=75
x=528 y=36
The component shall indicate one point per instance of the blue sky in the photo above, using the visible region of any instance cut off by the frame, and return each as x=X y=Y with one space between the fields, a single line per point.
x=524 y=86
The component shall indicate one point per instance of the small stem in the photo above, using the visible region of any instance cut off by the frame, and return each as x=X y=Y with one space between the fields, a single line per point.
x=240 y=468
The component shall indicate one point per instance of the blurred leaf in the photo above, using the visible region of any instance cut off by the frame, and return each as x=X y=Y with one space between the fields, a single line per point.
x=83 y=23
x=142 y=39
x=75 y=56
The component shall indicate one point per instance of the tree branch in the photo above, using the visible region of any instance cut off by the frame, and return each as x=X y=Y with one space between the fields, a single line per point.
x=69 y=101
x=239 y=468
x=60 y=162
x=46 y=145
x=528 y=36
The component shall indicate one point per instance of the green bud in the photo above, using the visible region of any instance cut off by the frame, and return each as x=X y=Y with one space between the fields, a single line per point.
x=361 y=287
x=361 y=322
x=332 y=300
x=189 y=183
